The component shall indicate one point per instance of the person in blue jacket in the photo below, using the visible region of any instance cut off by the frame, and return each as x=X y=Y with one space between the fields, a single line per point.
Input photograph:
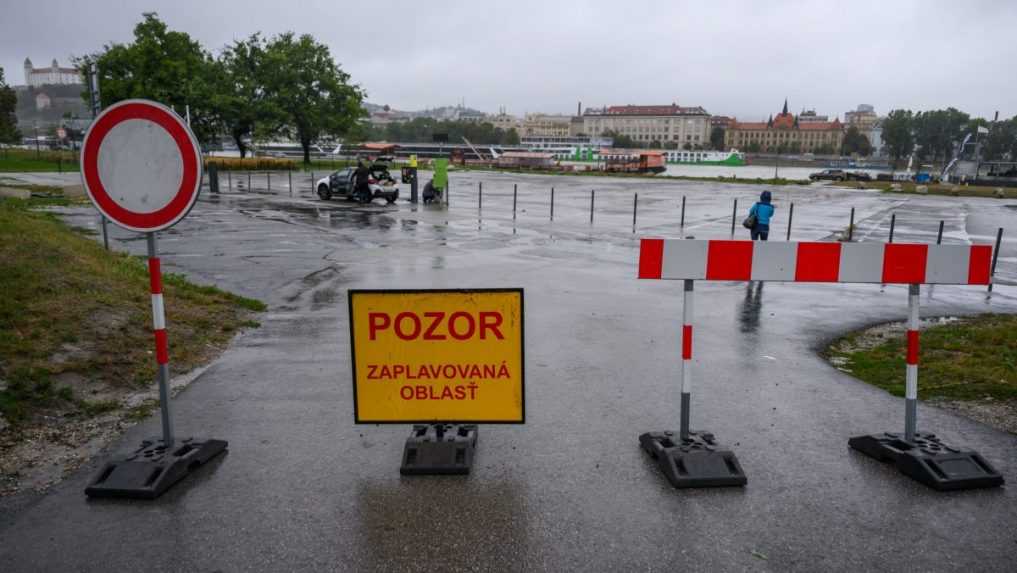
x=763 y=211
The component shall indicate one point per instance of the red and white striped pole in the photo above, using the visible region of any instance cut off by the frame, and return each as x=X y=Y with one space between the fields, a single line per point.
x=161 y=344
x=686 y=359
x=911 y=380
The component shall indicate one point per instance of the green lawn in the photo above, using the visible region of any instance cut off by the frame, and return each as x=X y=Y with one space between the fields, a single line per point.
x=949 y=189
x=968 y=359
x=75 y=320
x=30 y=160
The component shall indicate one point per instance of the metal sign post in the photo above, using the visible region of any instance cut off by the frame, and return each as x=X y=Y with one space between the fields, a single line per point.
x=141 y=167
x=161 y=342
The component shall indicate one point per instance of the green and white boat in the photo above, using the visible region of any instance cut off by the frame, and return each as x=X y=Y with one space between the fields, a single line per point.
x=680 y=156
x=671 y=156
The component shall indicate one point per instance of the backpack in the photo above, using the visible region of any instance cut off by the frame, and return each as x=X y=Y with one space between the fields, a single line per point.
x=751 y=220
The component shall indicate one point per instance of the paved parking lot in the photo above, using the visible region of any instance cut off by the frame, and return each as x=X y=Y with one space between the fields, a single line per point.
x=303 y=488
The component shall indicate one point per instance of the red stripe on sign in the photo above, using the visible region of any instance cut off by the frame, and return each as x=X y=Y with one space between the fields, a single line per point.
x=161 y=347
x=729 y=261
x=155 y=275
x=904 y=264
x=651 y=258
x=687 y=342
x=190 y=163
x=912 y=347
x=979 y=265
x=818 y=262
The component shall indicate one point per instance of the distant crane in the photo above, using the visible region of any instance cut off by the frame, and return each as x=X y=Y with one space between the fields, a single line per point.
x=475 y=152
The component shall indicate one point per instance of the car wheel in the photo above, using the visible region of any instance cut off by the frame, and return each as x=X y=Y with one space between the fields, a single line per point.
x=324 y=192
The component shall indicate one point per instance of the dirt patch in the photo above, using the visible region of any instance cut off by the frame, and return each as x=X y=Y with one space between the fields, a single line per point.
x=38 y=454
x=999 y=414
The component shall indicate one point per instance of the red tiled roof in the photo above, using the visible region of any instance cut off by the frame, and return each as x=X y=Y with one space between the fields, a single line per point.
x=748 y=125
x=819 y=125
x=651 y=110
x=803 y=126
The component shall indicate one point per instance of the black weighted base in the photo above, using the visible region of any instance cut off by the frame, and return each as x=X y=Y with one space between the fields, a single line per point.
x=928 y=460
x=152 y=469
x=439 y=449
x=697 y=461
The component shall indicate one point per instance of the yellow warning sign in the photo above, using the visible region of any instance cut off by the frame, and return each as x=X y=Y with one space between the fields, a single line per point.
x=437 y=356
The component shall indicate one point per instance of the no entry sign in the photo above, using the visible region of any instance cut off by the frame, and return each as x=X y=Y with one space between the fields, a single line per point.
x=141 y=165
x=437 y=356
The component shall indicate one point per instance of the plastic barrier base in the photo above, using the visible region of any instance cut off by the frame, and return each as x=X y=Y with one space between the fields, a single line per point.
x=439 y=449
x=928 y=460
x=152 y=469
x=697 y=461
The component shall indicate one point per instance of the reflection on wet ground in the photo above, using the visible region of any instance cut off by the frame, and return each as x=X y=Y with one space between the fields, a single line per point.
x=748 y=316
x=306 y=489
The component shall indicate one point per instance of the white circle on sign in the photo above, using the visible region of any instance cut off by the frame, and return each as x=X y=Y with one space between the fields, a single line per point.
x=140 y=165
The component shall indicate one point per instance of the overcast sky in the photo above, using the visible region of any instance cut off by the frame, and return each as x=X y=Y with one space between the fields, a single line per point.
x=733 y=58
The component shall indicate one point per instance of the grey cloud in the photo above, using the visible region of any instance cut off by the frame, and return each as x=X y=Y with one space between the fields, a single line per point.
x=734 y=58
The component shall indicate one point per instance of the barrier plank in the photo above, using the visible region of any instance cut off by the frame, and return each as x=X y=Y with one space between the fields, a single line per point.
x=890 y=263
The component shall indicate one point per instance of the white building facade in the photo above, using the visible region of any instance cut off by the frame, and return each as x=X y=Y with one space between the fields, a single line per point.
x=667 y=124
x=53 y=75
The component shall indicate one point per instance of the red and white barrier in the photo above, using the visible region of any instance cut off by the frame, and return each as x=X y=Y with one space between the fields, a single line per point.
x=885 y=263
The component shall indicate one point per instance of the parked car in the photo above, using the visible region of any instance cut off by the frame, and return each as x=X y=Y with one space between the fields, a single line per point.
x=859 y=176
x=341 y=184
x=829 y=175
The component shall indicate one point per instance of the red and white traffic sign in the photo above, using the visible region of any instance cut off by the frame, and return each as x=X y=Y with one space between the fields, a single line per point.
x=141 y=165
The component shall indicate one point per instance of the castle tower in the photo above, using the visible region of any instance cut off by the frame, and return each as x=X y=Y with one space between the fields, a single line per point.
x=28 y=72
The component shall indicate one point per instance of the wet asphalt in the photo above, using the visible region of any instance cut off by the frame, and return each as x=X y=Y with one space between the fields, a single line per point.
x=305 y=489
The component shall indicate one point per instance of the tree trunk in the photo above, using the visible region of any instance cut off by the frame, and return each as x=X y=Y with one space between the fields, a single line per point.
x=306 y=144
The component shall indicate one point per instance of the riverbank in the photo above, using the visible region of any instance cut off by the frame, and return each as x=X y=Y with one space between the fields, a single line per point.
x=657 y=177
x=76 y=363
x=947 y=189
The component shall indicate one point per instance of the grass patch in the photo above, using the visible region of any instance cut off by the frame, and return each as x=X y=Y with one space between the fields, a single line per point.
x=967 y=359
x=948 y=189
x=28 y=160
x=70 y=310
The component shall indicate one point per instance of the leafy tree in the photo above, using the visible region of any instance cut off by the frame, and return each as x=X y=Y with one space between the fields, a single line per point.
x=421 y=129
x=162 y=65
x=717 y=138
x=1001 y=140
x=938 y=132
x=655 y=144
x=687 y=146
x=8 y=120
x=897 y=134
x=753 y=147
x=825 y=149
x=308 y=91
x=856 y=142
x=240 y=98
